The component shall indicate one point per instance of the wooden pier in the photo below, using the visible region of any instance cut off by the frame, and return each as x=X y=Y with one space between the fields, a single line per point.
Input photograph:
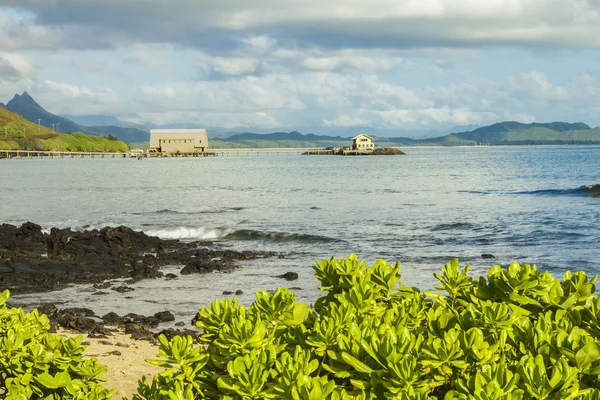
x=19 y=154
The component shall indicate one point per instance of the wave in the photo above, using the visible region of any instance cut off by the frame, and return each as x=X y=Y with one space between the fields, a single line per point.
x=585 y=191
x=453 y=226
x=184 y=233
x=168 y=211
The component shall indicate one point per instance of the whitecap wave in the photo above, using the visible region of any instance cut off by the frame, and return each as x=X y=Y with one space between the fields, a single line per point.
x=183 y=233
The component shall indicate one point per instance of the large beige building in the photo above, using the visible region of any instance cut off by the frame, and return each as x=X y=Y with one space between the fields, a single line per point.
x=178 y=140
x=363 y=142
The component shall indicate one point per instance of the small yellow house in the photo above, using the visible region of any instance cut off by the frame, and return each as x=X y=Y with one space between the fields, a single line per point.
x=363 y=142
x=178 y=140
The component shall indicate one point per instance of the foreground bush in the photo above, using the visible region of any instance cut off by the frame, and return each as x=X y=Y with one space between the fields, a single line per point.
x=35 y=364
x=519 y=334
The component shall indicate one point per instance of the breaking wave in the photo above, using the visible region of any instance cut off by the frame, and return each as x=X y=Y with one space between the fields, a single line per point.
x=168 y=211
x=586 y=191
x=183 y=233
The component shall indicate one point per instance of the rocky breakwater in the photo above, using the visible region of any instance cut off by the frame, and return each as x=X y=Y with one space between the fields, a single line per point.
x=32 y=260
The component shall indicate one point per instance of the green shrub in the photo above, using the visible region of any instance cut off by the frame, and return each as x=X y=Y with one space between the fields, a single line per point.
x=11 y=131
x=519 y=334
x=35 y=364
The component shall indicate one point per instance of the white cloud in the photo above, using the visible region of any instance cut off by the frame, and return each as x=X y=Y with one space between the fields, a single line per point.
x=345 y=121
x=149 y=55
x=15 y=67
x=537 y=85
x=339 y=23
x=65 y=98
x=235 y=66
x=210 y=119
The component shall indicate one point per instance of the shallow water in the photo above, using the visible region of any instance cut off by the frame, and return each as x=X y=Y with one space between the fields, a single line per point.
x=538 y=204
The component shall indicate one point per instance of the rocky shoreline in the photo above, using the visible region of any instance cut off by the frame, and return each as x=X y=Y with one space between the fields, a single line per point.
x=33 y=260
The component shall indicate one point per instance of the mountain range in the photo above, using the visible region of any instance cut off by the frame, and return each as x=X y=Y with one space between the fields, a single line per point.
x=508 y=132
x=28 y=108
x=502 y=133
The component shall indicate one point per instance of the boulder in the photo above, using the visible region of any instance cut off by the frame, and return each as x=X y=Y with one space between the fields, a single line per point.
x=289 y=276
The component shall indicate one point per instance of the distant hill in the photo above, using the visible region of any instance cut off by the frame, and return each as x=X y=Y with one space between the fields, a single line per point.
x=17 y=133
x=28 y=108
x=94 y=120
x=502 y=133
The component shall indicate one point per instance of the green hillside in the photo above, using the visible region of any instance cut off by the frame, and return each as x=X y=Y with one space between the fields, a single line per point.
x=25 y=106
x=17 y=133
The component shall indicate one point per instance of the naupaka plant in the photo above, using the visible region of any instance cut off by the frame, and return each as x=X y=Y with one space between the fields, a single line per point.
x=518 y=333
x=36 y=364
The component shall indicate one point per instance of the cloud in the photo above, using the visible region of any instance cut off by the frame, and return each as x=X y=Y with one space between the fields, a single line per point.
x=536 y=84
x=332 y=64
x=210 y=119
x=334 y=24
x=15 y=67
x=235 y=66
x=66 y=98
x=345 y=121
x=148 y=55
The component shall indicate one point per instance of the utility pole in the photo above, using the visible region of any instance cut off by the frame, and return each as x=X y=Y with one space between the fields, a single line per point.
x=39 y=121
x=58 y=127
x=52 y=127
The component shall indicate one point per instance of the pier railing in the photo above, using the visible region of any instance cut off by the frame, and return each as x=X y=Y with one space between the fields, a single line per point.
x=8 y=154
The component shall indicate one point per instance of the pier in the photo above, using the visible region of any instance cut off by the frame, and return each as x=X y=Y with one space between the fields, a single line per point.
x=25 y=154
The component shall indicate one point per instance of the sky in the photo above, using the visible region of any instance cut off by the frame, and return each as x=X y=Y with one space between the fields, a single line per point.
x=326 y=66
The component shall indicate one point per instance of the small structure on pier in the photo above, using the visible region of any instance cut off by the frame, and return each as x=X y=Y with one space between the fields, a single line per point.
x=363 y=143
x=180 y=141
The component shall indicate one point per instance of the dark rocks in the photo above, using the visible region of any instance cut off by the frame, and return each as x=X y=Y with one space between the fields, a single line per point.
x=136 y=319
x=34 y=261
x=199 y=266
x=239 y=292
x=487 y=256
x=171 y=333
x=86 y=312
x=111 y=318
x=289 y=276
x=135 y=328
x=123 y=289
x=164 y=316
x=227 y=292
x=104 y=285
x=180 y=323
x=170 y=276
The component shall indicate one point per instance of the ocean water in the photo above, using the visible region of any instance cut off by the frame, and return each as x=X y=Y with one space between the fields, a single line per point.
x=538 y=205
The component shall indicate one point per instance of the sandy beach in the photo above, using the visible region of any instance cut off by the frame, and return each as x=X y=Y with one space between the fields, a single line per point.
x=125 y=358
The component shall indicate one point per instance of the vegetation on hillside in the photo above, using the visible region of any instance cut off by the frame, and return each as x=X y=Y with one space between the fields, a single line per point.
x=25 y=106
x=17 y=133
x=519 y=334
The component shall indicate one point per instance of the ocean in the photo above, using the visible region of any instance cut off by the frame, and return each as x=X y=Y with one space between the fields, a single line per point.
x=531 y=204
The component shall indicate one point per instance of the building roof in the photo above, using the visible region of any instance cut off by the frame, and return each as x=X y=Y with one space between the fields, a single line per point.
x=177 y=130
x=362 y=134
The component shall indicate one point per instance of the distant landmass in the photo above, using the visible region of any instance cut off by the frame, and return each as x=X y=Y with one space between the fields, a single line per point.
x=18 y=133
x=28 y=108
x=502 y=133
